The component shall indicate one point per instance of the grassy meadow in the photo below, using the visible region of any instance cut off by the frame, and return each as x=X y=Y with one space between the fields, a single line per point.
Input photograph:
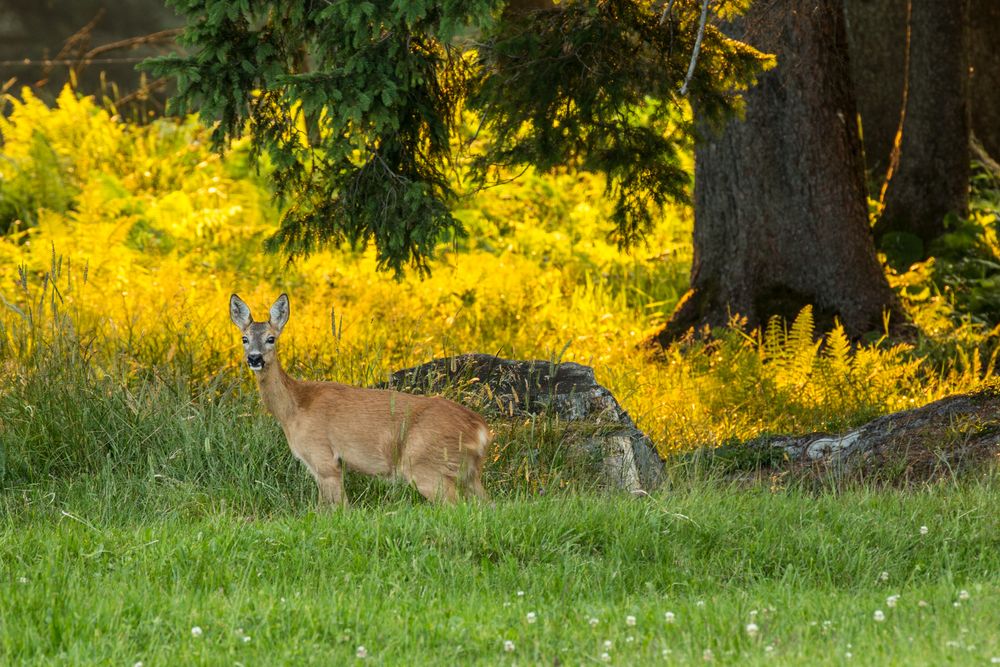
x=118 y=571
x=144 y=493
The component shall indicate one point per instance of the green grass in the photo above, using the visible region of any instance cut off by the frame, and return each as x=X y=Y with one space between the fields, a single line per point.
x=109 y=570
x=135 y=507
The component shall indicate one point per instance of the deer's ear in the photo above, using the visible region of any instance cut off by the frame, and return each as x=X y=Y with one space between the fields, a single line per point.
x=279 y=312
x=239 y=312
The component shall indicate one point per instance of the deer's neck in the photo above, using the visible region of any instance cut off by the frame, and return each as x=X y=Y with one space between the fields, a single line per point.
x=276 y=389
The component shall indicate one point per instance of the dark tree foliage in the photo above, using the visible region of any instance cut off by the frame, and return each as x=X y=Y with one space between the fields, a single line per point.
x=356 y=104
x=596 y=85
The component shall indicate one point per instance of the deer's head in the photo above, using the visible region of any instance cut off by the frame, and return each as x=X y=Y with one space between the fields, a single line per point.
x=259 y=338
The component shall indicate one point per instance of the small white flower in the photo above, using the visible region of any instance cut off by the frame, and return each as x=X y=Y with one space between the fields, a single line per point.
x=362 y=652
x=508 y=646
x=924 y=530
x=520 y=594
x=629 y=639
x=956 y=604
x=995 y=660
x=605 y=657
x=196 y=631
x=669 y=617
x=700 y=603
x=848 y=655
x=963 y=595
x=531 y=617
x=884 y=576
x=753 y=613
x=22 y=580
x=878 y=615
x=666 y=652
x=593 y=622
x=752 y=629
x=630 y=620
x=922 y=603
x=769 y=648
x=891 y=600
x=608 y=644
x=708 y=656
x=138 y=664
x=246 y=639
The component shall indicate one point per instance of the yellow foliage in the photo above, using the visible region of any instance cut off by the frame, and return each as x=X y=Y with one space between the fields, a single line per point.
x=160 y=231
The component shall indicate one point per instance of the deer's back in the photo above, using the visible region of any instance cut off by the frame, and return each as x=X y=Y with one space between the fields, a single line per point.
x=377 y=431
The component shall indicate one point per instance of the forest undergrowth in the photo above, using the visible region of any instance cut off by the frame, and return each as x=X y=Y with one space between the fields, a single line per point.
x=121 y=244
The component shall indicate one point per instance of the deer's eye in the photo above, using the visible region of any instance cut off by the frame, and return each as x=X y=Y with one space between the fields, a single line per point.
x=270 y=340
x=246 y=341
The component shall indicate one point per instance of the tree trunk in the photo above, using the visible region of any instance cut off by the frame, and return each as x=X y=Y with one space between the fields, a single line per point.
x=984 y=59
x=876 y=40
x=931 y=177
x=780 y=210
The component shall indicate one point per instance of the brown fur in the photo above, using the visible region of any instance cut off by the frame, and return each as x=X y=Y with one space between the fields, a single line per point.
x=437 y=445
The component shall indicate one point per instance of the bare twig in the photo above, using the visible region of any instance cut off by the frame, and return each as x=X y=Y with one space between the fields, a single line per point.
x=979 y=153
x=897 y=141
x=697 y=46
x=666 y=12
x=77 y=42
x=49 y=62
x=142 y=92
x=133 y=42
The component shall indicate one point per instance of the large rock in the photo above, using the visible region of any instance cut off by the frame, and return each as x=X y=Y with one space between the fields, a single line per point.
x=509 y=388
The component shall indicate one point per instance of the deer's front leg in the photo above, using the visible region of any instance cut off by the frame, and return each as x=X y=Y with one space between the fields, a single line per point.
x=329 y=474
x=331 y=488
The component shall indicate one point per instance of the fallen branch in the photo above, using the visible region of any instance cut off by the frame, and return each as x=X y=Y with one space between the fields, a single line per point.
x=946 y=437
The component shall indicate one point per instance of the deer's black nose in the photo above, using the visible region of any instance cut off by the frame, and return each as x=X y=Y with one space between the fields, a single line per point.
x=255 y=361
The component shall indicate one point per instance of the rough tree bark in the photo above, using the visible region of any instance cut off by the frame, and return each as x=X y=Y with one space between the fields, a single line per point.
x=876 y=40
x=984 y=59
x=780 y=210
x=930 y=178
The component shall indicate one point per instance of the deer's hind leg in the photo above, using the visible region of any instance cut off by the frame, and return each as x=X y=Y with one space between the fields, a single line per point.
x=435 y=487
x=474 y=487
x=434 y=481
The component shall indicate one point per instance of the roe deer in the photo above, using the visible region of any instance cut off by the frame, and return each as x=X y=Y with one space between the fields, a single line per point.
x=434 y=443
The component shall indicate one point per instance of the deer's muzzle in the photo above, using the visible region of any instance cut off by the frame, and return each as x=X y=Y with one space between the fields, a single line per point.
x=255 y=362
